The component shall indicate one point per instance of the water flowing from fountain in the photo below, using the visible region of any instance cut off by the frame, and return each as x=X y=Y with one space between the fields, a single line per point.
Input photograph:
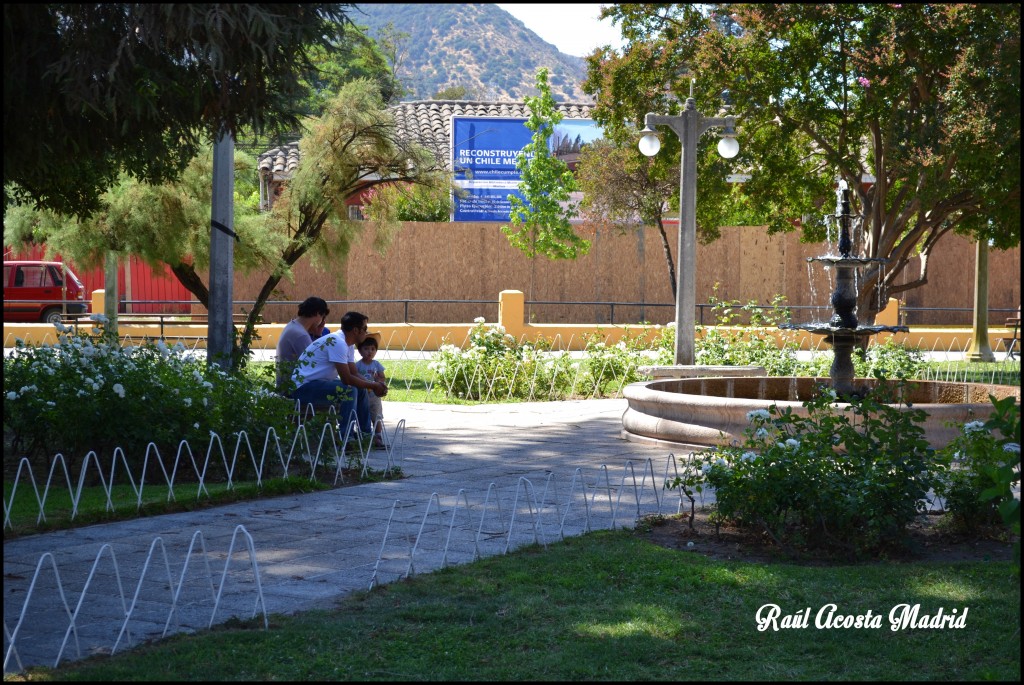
x=843 y=331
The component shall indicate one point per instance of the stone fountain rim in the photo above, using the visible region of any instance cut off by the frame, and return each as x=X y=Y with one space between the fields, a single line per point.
x=650 y=391
x=686 y=420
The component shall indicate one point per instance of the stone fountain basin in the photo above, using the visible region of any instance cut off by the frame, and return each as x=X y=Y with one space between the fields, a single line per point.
x=698 y=413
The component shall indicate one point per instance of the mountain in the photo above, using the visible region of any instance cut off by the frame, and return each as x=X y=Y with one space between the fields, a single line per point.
x=480 y=47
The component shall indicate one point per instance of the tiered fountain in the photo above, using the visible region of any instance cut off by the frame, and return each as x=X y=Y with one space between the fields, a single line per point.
x=843 y=332
x=698 y=413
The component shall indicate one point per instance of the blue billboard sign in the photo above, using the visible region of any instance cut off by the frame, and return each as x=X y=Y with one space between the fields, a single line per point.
x=484 y=154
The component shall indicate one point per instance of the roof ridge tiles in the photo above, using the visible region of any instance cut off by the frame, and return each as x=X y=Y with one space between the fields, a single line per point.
x=428 y=121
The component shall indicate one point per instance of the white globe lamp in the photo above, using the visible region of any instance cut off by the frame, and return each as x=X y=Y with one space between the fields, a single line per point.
x=649 y=142
x=728 y=147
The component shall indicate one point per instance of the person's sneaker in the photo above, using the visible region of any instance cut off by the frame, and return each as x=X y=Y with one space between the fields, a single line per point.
x=378 y=444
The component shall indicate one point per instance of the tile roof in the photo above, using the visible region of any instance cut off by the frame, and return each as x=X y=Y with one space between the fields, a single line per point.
x=282 y=161
x=429 y=122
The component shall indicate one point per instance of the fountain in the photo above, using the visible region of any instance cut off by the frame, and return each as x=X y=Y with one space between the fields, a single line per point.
x=843 y=332
x=698 y=413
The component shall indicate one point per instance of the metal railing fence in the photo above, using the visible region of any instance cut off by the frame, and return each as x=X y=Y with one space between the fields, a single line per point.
x=603 y=312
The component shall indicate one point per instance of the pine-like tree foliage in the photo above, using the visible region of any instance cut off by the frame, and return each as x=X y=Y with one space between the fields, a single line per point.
x=91 y=90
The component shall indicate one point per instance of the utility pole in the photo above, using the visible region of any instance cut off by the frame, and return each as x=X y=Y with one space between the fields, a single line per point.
x=220 y=330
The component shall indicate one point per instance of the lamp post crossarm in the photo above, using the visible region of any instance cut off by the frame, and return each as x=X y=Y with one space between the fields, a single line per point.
x=720 y=122
x=677 y=122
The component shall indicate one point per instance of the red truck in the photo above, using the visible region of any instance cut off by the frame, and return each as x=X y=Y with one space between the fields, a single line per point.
x=41 y=291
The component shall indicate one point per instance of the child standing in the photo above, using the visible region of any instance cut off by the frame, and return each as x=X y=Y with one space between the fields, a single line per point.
x=373 y=371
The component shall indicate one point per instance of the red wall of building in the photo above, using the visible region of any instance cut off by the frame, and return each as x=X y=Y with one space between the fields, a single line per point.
x=145 y=282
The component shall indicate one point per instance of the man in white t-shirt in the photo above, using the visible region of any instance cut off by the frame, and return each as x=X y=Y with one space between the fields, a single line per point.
x=326 y=372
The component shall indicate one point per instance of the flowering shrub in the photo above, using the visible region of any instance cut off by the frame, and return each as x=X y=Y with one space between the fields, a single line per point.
x=83 y=395
x=664 y=346
x=983 y=457
x=494 y=366
x=488 y=367
x=612 y=366
x=716 y=346
x=737 y=348
x=888 y=359
x=848 y=477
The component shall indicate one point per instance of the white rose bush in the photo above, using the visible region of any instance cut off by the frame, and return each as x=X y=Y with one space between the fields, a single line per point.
x=85 y=395
x=494 y=366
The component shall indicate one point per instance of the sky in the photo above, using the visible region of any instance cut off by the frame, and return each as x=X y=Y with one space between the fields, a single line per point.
x=550 y=22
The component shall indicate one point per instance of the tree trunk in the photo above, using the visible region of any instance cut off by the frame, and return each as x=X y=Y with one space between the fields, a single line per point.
x=668 y=257
x=309 y=232
x=187 y=276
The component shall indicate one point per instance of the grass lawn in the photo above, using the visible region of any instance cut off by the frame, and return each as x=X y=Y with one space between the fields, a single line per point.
x=93 y=508
x=608 y=606
x=1001 y=373
x=413 y=381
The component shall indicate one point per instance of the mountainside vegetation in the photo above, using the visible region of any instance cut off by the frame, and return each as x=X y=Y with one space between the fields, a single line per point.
x=469 y=51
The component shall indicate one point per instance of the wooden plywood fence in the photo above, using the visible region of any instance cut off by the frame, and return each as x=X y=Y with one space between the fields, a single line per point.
x=473 y=261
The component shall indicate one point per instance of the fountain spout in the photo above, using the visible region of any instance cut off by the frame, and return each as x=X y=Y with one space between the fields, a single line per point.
x=844 y=298
x=843 y=215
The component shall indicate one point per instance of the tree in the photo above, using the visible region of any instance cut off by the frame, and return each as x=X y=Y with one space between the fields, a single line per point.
x=355 y=56
x=541 y=224
x=923 y=98
x=628 y=190
x=91 y=90
x=394 y=45
x=352 y=146
x=163 y=224
x=454 y=93
x=408 y=202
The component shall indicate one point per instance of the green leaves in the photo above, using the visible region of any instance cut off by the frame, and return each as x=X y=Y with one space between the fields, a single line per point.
x=67 y=397
x=541 y=225
x=91 y=90
x=845 y=477
x=923 y=98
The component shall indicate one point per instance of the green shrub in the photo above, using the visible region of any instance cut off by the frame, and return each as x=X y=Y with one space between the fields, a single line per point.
x=888 y=359
x=83 y=395
x=724 y=345
x=610 y=367
x=983 y=464
x=847 y=477
x=494 y=366
x=487 y=368
x=742 y=348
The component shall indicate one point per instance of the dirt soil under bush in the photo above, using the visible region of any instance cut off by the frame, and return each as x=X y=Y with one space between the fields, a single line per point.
x=930 y=539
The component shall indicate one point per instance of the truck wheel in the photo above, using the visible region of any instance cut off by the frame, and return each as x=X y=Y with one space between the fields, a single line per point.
x=51 y=315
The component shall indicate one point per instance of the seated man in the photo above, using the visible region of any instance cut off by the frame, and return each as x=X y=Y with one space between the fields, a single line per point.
x=326 y=373
x=296 y=337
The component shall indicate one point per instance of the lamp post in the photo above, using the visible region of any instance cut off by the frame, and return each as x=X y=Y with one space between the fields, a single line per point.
x=689 y=126
x=980 y=350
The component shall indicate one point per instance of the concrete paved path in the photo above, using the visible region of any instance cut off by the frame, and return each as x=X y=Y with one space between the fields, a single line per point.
x=503 y=475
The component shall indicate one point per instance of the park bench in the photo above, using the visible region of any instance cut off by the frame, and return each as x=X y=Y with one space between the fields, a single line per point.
x=1012 y=344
